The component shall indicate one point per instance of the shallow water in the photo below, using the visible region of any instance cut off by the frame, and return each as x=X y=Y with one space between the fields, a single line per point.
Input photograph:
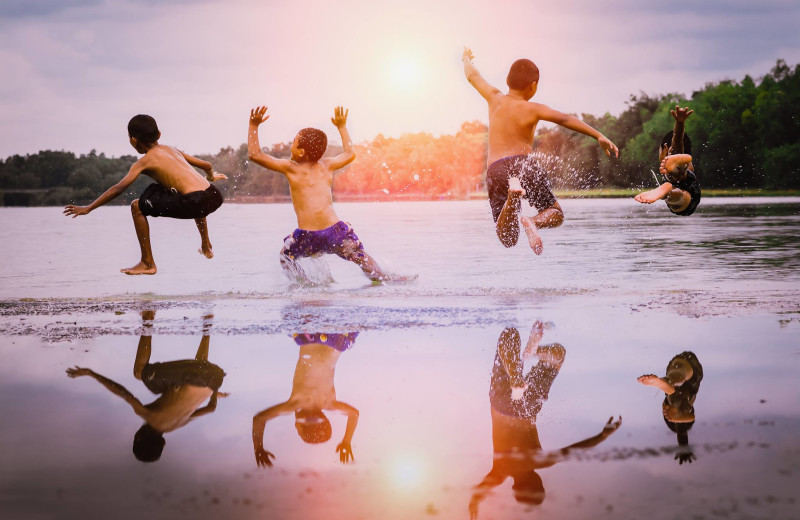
x=622 y=288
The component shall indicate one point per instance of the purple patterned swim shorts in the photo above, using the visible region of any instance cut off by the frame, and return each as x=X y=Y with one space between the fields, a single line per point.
x=339 y=239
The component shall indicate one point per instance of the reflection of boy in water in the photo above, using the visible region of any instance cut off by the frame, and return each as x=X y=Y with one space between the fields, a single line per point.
x=312 y=392
x=183 y=386
x=516 y=400
x=681 y=191
x=680 y=384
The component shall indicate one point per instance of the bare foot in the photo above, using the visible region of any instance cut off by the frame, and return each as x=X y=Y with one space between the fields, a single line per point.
x=206 y=251
x=534 y=240
x=671 y=162
x=140 y=268
x=649 y=197
x=515 y=189
x=655 y=381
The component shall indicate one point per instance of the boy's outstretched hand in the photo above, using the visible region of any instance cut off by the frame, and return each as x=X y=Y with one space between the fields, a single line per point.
x=74 y=211
x=258 y=115
x=608 y=146
x=467 y=57
x=339 y=118
x=681 y=114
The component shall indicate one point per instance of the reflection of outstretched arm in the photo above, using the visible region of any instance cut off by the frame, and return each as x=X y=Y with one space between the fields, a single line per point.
x=344 y=448
x=489 y=482
x=610 y=427
x=113 y=387
x=259 y=423
x=210 y=407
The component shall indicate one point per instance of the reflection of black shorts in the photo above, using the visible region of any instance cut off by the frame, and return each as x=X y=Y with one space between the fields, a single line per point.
x=159 y=201
x=531 y=175
x=691 y=185
x=160 y=377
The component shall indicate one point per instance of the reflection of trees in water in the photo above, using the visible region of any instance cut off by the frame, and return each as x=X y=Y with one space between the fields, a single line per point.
x=182 y=386
x=516 y=400
x=313 y=393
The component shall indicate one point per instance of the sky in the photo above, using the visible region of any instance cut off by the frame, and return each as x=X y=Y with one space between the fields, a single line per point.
x=73 y=72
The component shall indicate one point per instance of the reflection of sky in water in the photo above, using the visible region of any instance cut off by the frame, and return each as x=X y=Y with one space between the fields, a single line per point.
x=424 y=434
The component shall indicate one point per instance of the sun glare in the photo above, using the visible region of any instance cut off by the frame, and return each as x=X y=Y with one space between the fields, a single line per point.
x=405 y=72
x=406 y=472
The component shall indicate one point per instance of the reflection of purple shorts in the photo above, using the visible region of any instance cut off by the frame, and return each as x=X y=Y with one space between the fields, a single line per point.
x=340 y=342
x=339 y=239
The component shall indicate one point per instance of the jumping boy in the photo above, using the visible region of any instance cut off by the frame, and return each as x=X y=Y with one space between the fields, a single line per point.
x=179 y=191
x=513 y=173
x=681 y=191
x=310 y=177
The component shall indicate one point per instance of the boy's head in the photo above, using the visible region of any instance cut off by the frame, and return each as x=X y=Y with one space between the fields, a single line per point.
x=148 y=443
x=312 y=426
x=309 y=145
x=528 y=488
x=143 y=131
x=523 y=76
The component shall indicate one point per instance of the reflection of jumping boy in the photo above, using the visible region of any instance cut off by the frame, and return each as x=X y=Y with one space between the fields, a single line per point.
x=310 y=180
x=179 y=191
x=680 y=384
x=513 y=173
x=182 y=387
x=312 y=392
x=681 y=191
x=516 y=401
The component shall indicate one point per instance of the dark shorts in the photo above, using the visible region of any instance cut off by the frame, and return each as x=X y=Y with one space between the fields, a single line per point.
x=339 y=239
x=531 y=175
x=160 y=377
x=539 y=380
x=159 y=201
x=691 y=185
x=340 y=342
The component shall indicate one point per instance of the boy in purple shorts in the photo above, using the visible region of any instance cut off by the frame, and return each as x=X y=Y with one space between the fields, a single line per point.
x=319 y=230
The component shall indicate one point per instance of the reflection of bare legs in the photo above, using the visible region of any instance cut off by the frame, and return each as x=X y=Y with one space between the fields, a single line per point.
x=202 y=349
x=508 y=222
x=205 y=243
x=146 y=265
x=145 y=346
x=551 y=217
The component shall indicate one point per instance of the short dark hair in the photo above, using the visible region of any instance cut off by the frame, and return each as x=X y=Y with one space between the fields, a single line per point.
x=667 y=140
x=316 y=430
x=521 y=74
x=314 y=142
x=148 y=443
x=143 y=128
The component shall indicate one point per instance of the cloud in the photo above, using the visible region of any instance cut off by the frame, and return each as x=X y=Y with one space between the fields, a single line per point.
x=40 y=8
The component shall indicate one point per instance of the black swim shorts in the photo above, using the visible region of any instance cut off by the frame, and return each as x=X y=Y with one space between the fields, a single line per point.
x=160 y=377
x=691 y=185
x=531 y=175
x=159 y=201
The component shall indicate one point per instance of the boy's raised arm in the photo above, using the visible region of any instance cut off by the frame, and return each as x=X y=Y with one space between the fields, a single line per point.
x=111 y=193
x=254 y=152
x=474 y=77
x=339 y=120
x=576 y=125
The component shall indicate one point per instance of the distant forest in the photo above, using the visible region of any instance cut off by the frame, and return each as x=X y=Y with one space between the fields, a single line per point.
x=745 y=134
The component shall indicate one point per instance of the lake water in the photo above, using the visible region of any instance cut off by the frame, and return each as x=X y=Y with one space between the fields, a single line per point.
x=618 y=292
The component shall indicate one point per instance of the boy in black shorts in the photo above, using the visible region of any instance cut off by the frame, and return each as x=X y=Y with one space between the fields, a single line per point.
x=681 y=191
x=513 y=172
x=179 y=191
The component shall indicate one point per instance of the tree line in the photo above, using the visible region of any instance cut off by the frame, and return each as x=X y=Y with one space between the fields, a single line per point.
x=745 y=134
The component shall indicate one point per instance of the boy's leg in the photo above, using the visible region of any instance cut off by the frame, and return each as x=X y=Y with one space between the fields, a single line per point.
x=146 y=265
x=507 y=226
x=290 y=267
x=370 y=267
x=205 y=243
x=551 y=217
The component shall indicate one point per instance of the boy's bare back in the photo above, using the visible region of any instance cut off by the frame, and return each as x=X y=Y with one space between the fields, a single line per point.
x=169 y=167
x=310 y=182
x=513 y=119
